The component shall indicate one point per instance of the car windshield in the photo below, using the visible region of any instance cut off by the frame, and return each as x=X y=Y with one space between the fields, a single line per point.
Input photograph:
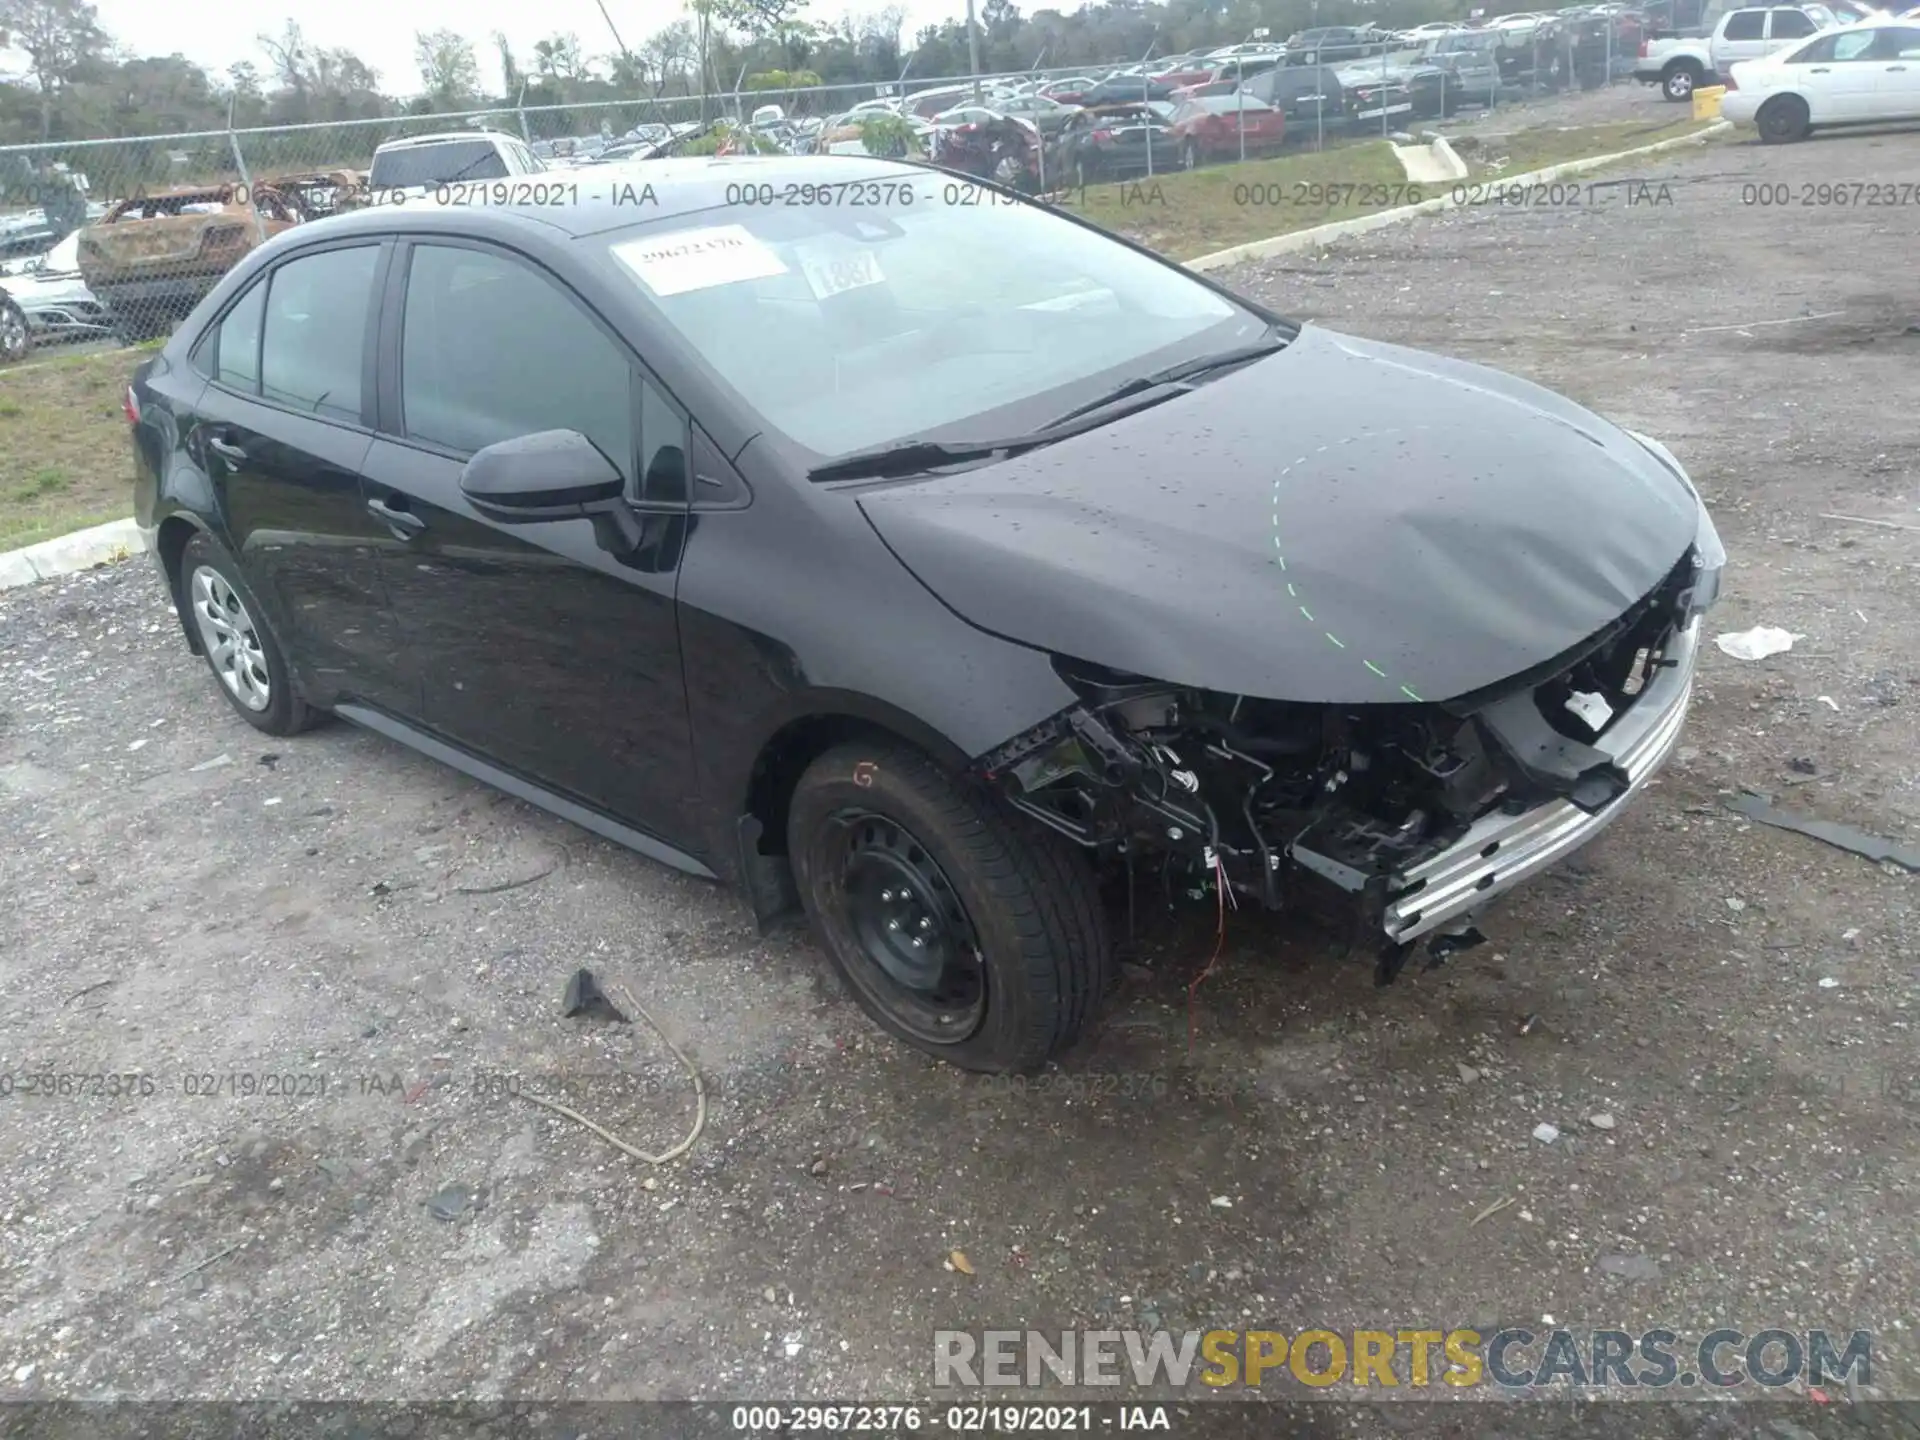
x=845 y=328
x=437 y=164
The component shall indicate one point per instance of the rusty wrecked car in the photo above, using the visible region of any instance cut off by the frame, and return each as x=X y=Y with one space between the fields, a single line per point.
x=152 y=257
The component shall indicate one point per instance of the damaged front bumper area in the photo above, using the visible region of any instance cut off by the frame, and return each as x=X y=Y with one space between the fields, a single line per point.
x=1401 y=821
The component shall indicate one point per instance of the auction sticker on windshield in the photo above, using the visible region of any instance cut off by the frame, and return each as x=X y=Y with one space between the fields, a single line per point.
x=835 y=272
x=685 y=260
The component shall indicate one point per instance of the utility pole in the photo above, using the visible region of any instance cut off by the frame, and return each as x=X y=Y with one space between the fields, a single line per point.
x=973 y=51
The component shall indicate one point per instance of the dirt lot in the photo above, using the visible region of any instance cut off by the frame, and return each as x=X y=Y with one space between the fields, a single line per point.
x=186 y=900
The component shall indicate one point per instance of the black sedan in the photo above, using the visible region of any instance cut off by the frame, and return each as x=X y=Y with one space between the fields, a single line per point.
x=920 y=561
x=1116 y=142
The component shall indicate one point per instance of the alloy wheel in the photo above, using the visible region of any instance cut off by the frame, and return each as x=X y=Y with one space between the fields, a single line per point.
x=915 y=950
x=232 y=643
x=13 y=332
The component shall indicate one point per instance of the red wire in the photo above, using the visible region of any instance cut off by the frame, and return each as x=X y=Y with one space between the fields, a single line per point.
x=1219 y=944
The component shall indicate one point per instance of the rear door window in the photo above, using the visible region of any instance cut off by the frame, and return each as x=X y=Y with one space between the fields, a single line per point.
x=1745 y=25
x=313 y=347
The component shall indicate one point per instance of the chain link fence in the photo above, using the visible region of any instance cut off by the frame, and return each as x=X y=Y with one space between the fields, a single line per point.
x=120 y=238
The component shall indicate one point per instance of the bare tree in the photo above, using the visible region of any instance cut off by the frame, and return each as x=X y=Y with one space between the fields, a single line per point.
x=447 y=66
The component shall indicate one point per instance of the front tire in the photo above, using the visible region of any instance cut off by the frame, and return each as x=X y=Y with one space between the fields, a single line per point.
x=1783 y=120
x=957 y=928
x=240 y=647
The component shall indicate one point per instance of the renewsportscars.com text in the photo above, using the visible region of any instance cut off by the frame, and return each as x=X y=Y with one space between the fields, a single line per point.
x=1321 y=1359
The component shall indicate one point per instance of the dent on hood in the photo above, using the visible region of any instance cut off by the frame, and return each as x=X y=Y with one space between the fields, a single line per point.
x=1346 y=522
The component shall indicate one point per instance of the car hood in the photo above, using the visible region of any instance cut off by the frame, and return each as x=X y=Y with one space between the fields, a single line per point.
x=1344 y=522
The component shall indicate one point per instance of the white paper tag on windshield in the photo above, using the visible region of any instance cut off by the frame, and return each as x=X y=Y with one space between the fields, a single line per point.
x=834 y=272
x=699 y=259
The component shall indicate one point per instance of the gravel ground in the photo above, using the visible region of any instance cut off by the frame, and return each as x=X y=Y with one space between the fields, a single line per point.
x=187 y=899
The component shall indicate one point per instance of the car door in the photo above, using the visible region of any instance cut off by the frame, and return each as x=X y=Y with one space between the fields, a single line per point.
x=1743 y=36
x=280 y=432
x=1895 y=65
x=540 y=651
x=1786 y=27
x=1837 y=76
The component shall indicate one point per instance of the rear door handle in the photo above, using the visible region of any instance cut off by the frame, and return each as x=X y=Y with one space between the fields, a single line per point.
x=402 y=522
x=227 y=450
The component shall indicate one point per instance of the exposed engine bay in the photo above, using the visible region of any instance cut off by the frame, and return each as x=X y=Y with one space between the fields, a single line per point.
x=1331 y=809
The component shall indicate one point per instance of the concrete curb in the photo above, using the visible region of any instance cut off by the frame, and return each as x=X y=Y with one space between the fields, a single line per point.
x=1451 y=159
x=69 y=554
x=1324 y=234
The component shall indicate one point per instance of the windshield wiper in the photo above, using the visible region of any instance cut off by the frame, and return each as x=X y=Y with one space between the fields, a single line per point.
x=1172 y=375
x=911 y=457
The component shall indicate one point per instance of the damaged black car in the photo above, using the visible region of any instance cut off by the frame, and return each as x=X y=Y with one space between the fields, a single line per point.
x=921 y=558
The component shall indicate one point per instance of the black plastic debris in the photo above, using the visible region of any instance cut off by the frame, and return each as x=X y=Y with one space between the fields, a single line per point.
x=1443 y=948
x=585 y=997
x=270 y=759
x=1842 y=837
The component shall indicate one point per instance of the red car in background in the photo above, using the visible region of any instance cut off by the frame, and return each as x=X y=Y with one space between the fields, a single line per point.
x=1225 y=127
x=1183 y=75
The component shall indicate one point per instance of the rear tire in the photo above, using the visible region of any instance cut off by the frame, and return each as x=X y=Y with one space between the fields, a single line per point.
x=240 y=647
x=887 y=847
x=1782 y=120
x=1679 y=82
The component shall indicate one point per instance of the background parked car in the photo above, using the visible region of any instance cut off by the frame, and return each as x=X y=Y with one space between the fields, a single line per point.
x=1332 y=44
x=1470 y=59
x=1679 y=65
x=1114 y=142
x=54 y=300
x=1048 y=116
x=1133 y=89
x=1867 y=73
x=1381 y=96
x=1226 y=127
x=151 y=260
x=1310 y=96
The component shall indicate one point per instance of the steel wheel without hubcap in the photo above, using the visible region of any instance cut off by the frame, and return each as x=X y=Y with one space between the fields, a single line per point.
x=915 y=952
x=232 y=643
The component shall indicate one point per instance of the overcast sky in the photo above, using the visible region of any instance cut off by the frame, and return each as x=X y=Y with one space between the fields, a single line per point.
x=382 y=33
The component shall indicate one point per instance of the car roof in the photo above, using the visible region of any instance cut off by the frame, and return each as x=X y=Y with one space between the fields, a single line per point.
x=407 y=142
x=679 y=185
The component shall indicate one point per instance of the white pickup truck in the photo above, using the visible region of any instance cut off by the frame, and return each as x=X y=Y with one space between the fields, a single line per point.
x=1681 y=64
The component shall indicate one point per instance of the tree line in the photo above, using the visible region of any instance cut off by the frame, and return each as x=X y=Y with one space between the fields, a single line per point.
x=78 y=82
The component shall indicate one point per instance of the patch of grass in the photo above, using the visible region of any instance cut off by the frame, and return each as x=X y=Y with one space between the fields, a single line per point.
x=1195 y=212
x=65 y=460
x=1538 y=146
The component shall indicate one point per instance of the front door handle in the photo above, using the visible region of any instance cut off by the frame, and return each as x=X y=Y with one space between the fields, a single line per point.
x=1821 y=70
x=403 y=523
x=233 y=454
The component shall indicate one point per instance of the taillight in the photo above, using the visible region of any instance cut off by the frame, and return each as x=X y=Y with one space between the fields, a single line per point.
x=1100 y=137
x=130 y=404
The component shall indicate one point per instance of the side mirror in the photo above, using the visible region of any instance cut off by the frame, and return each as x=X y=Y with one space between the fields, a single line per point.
x=552 y=475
